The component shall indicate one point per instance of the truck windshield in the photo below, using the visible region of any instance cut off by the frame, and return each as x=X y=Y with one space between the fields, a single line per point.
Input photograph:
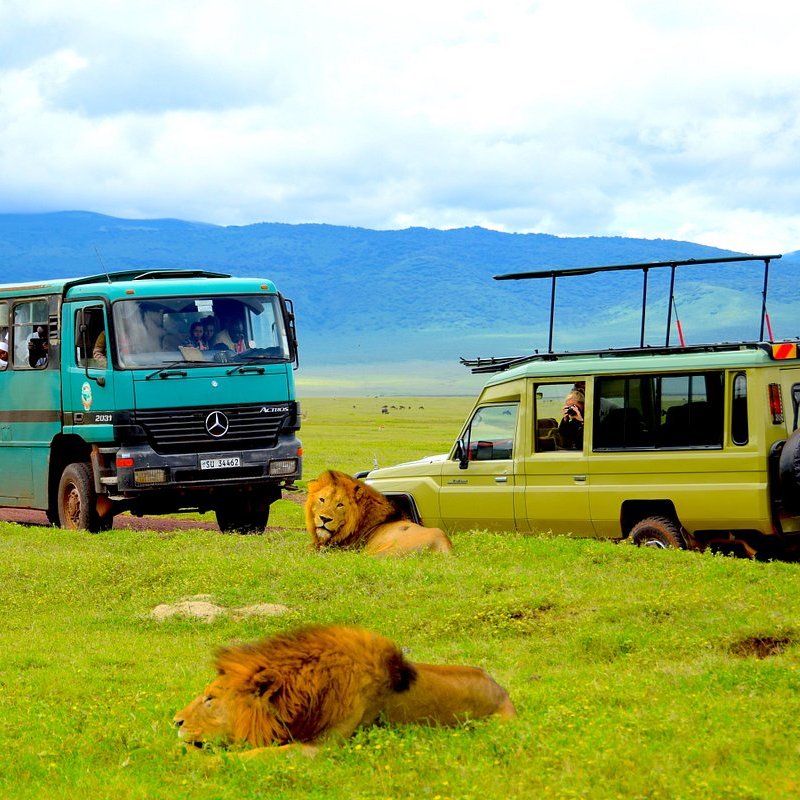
x=198 y=332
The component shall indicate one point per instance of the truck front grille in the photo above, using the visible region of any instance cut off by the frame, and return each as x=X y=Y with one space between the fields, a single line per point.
x=180 y=430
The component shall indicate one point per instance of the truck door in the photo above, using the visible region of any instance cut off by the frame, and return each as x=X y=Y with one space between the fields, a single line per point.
x=88 y=377
x=555 y=473
x=482 y=495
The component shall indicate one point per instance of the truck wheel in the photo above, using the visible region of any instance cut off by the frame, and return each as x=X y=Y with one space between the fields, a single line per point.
x=77 y=500
x=789 y=470
x=237 y=515
x=658 y=532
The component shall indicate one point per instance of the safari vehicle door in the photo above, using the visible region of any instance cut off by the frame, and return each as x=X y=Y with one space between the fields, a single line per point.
x=478 y=482
x=555 y=468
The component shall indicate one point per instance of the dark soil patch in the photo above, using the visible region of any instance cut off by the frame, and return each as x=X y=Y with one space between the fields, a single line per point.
x=760 y=646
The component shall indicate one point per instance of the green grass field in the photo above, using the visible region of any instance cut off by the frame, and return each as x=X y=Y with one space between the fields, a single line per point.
x=636 y=673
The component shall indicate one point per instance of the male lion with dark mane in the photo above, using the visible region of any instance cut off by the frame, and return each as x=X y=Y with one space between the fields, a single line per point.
x=302 y=688
x=344 y=512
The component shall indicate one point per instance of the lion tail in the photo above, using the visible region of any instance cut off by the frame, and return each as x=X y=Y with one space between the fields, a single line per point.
x=402 y=673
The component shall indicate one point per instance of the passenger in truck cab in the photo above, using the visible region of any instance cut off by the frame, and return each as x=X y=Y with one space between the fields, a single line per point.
x=232 y=336
x=99 y=350
x=570 y=429
x=152 y=326
x=3 y=354
x=196 y=336
x=209 y=324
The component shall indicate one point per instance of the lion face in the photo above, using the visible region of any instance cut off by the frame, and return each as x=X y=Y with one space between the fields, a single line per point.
x=333 y=509
x=329 y=508
x=207 y=718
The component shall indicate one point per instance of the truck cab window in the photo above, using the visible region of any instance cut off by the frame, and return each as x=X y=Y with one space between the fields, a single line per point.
x=91 y=339
x=490 y=436
x=153 y=333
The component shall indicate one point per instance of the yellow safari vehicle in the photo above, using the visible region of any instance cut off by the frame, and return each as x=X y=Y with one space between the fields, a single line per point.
x=669 y=446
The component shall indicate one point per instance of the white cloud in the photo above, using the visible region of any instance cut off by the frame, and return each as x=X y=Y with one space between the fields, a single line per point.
x=660 y=119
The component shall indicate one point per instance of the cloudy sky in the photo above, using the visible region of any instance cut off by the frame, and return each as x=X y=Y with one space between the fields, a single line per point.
x=648 y=118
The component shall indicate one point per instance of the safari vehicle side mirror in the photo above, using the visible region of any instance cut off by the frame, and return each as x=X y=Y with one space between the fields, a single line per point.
x=462 y=454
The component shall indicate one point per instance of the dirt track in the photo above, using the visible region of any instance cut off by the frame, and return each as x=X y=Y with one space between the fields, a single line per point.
x=25 y=516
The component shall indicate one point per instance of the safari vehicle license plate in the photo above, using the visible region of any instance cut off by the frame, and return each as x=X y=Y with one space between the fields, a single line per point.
x=220 y=463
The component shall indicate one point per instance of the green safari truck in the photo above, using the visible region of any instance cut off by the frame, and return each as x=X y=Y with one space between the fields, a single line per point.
x=147 y=391
x=680 y=446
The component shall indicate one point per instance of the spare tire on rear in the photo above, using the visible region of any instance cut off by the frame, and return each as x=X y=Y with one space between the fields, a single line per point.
x=789 y=472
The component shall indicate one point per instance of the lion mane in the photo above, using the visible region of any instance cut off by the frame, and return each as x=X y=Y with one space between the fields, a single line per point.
x=314 y=684
x=344 y=512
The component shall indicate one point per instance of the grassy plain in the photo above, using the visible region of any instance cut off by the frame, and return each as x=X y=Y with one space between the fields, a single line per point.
x=636 y=673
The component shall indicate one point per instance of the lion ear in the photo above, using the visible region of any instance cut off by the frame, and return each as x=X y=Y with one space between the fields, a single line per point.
x=267 y=683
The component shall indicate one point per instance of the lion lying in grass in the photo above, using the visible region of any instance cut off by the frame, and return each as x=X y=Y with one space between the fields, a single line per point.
x=344 y=512
x=302 y=688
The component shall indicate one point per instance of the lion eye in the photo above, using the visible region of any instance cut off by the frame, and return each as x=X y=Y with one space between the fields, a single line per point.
x=340 y=505
x=320 y=500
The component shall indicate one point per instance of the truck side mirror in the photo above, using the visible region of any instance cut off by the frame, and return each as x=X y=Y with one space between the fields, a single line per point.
x=83 y=329
x=462 y=454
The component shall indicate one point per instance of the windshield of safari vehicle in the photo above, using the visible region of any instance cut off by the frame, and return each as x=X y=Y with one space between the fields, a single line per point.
x=198 y=332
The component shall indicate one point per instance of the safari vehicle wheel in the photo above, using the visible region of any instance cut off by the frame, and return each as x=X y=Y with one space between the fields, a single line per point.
x=240 y=515
x=77 y=500
x=657 y=532
x=789 y=470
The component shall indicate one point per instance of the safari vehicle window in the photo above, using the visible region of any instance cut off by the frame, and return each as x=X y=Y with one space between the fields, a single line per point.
x=30 y=335
x=490 y=436
x=557 y=429
x=739 y=430
x=198 y=332
x=659 y=411
x=796 y=404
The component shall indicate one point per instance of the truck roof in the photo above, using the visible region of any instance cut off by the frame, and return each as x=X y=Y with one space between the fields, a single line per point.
x=140 y=283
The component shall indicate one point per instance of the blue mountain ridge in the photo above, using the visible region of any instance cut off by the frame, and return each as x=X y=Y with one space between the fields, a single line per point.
x=366 y=296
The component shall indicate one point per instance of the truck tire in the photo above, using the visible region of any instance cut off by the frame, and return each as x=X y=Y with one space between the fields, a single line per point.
x=789 y=471
x=236 y=514
x=77 y=500
x=658 y=532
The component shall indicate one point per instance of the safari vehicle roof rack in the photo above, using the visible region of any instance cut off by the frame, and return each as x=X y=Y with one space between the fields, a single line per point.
x=498 y=364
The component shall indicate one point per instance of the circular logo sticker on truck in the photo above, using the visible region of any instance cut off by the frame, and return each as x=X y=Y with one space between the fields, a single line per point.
x=86 y=396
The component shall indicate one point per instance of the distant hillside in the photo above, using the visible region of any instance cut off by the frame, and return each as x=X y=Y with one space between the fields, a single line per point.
x=366 y=296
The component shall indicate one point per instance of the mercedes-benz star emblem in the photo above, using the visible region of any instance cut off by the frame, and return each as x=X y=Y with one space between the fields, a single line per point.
x=217 y=424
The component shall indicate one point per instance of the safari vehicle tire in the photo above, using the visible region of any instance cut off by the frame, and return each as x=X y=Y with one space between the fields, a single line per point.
x=657 y=532
x=789 y=471
x=77 y=500
x=240 y=515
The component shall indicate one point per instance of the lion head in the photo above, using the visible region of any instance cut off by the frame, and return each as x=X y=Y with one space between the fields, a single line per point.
x=342 y=511
x=296 y=687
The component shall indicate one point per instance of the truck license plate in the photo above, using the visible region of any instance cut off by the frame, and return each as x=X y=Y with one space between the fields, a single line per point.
x=220 y=463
